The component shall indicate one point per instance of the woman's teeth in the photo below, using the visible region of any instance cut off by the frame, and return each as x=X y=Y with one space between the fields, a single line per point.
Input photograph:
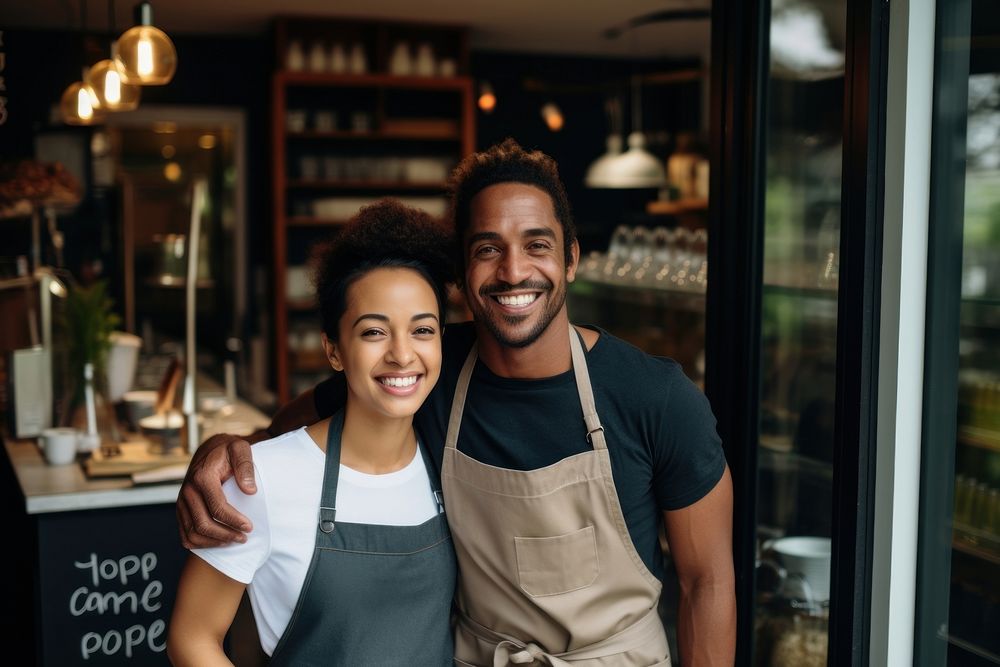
x=517 y=300
x=399 y=382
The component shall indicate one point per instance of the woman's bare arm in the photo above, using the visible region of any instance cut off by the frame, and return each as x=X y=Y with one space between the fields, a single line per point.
x=206 y=604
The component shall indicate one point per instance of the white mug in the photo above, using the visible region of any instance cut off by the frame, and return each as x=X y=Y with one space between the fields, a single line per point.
x=59 y=445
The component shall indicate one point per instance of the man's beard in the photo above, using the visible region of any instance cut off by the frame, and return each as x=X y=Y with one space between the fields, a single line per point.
x=485 y=316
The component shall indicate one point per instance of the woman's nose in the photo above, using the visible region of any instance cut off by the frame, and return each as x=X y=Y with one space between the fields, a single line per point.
x=400 y=352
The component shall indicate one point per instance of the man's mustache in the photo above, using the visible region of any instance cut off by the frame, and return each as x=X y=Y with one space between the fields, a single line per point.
x=499 y=288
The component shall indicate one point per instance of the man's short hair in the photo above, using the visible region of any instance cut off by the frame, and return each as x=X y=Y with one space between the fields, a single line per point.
x=506 y=162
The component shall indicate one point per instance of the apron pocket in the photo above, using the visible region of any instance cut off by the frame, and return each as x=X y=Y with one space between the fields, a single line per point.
x=556 y=565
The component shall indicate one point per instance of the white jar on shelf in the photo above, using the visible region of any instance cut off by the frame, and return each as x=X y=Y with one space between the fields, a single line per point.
x=295 y=57
x=338 y=59
x=424 y=64
x=400 y=63
x=317 y=58
x=359 y=60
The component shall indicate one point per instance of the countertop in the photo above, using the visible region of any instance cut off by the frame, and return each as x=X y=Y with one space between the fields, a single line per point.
x=64 y=488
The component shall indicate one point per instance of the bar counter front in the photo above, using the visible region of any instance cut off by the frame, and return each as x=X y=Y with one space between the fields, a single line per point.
x=94 y=561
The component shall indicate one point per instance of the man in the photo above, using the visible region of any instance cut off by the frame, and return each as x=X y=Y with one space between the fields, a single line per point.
x=563 y=449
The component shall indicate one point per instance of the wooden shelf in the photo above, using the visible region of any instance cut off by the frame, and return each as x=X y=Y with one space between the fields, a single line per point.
x=979 y=437
x=387 y=134
x=974 y=649
x=453 y=83
x=434 y=186
x=411 y=117
x=313 y=221
x=970 y=549
x=677 y=207
x=300 y=305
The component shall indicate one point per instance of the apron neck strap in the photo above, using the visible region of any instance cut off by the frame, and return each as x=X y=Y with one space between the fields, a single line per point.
x=595 y=432
x=331 y=474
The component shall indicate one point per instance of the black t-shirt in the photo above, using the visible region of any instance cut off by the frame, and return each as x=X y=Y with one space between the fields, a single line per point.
x=665 y=452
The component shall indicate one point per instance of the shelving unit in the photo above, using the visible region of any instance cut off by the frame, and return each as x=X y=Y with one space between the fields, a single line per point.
x=376 y=126
x=975 y=556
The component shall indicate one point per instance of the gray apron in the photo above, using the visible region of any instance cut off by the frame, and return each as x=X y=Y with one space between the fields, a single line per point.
x=373 y=595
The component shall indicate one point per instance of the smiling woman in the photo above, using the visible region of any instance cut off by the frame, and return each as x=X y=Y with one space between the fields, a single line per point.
x=378 y=563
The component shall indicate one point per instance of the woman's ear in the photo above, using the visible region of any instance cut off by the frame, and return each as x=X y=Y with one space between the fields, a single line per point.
x=332 y=353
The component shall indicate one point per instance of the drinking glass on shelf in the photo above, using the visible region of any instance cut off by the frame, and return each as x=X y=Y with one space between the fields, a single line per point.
x=619 y=253
x=699 y=260
x=590 y=267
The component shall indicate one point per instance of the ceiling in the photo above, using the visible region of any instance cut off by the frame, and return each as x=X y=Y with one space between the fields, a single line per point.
x=548 y=26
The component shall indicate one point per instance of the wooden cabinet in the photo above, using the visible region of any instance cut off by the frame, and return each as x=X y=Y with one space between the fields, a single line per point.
x=360 y=110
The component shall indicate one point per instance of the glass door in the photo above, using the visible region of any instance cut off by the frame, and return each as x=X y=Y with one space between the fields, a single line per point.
x=803 y=164
x=958 y=592
x=795 y=224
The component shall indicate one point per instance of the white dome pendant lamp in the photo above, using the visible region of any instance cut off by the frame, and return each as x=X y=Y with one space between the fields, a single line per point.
x=636 y=167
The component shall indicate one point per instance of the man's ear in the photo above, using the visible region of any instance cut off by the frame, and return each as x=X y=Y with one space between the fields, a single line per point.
x=574 y=252
x=332 y=354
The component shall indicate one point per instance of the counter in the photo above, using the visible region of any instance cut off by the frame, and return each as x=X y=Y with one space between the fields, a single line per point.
x=105 y=556
x=48 y=488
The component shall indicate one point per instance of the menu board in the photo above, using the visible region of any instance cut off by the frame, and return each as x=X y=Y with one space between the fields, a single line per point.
x=107 y=582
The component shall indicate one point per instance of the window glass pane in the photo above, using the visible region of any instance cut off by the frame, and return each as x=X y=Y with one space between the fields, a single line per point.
x=799 y=330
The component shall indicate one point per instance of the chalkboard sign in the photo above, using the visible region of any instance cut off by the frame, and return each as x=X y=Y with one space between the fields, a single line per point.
x=107 y=583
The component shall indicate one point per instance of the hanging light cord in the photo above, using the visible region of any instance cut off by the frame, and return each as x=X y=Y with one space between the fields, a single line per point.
x=636 y=93
x=83 y=32
x=111 y=18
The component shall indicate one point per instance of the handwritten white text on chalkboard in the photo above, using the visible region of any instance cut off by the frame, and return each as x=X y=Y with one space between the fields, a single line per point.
x=112 y=641
x=129 y=570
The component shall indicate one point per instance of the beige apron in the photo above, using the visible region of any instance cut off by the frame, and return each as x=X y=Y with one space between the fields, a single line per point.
x=548 y=571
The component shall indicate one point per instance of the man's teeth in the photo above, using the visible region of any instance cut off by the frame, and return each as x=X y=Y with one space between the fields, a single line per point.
x=399 y=382
x=517 y=300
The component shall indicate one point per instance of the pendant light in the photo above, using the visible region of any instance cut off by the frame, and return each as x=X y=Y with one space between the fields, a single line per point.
x=599 y=170
x=79 y=104
x=108 y=83
x=636 y=167
x=146 y=55
x=487 y=98
x=107 y=79
x=553 y=116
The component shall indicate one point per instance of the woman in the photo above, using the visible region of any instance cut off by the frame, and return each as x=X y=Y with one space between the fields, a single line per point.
x=350 y=561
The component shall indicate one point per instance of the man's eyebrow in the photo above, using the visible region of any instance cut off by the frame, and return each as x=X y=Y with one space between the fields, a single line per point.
x=483 y=236
x=540 y=231
x=547 y=232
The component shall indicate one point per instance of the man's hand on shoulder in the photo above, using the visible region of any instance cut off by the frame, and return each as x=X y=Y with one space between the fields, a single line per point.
x=204 y=516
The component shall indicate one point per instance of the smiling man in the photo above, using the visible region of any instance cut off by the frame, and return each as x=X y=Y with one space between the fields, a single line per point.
x=563 y=450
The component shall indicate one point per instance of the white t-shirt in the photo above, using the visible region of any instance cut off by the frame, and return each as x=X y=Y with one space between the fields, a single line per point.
x=285 y=511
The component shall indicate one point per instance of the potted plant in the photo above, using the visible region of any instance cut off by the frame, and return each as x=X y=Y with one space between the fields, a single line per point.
x=89 y=319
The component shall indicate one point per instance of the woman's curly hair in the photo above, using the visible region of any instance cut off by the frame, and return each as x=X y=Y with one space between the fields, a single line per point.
x=385 y=234
x=506 y=162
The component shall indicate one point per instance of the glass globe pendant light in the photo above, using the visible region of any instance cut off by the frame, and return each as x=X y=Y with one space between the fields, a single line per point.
x=108 y=83
x=79 y=104
x=146 y=56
